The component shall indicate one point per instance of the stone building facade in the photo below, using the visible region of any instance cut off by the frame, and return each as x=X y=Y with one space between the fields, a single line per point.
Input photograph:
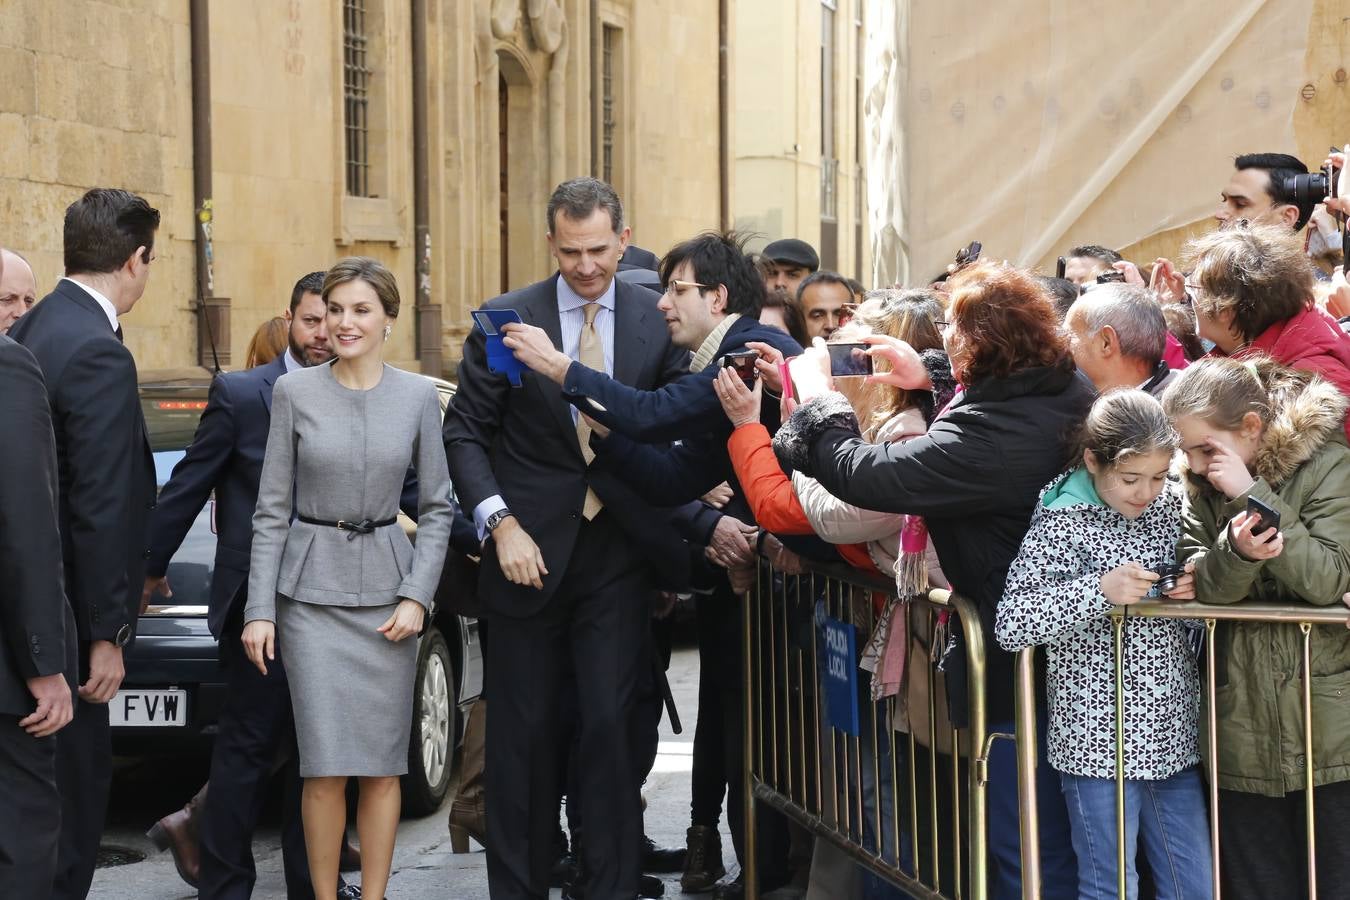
x=310 y=125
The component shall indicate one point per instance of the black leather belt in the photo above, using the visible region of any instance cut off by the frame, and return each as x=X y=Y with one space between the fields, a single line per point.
x=365 y=526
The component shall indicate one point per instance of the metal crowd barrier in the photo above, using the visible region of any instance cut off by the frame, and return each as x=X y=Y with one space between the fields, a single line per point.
x=831 y=768
x=1300 y=616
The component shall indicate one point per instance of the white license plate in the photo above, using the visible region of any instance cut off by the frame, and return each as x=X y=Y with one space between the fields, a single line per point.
x=157 y=709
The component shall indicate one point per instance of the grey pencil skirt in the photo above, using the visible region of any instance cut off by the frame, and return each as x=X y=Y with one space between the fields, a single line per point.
x=351 y=688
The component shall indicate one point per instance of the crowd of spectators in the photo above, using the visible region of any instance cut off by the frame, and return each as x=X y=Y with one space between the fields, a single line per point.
x=1050 y=446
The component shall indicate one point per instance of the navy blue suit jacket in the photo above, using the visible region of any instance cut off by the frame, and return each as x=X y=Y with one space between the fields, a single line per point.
x=687 y=409
x=521 y=443
x=226 y=455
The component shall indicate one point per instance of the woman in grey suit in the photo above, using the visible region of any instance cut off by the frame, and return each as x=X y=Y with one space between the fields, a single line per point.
x=340 y=590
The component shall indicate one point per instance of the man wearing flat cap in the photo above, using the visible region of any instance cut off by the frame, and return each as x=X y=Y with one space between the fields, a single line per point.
x=793 y=260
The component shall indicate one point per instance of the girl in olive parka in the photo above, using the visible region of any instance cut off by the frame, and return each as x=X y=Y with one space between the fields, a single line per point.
x=1258 y=429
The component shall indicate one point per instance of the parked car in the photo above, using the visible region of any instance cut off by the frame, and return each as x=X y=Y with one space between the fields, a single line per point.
x=174 y=689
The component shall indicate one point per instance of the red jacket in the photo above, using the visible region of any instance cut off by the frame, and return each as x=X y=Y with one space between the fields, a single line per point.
x=1311 y=341
x=769 y=492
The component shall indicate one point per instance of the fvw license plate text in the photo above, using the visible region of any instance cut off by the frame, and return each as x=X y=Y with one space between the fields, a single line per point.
x=149 y=708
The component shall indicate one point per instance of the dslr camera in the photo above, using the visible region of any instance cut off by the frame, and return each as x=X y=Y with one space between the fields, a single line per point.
x=1312 y=187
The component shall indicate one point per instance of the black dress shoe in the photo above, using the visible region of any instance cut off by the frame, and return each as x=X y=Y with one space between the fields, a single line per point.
x=661 y=859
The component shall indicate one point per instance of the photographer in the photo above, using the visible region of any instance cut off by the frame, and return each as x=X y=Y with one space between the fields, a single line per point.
x=975 y=478
x=1265 y=189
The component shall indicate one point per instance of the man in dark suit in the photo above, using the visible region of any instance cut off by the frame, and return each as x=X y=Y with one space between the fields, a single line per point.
x=711 y=305
x=107 y=486
x=226 y=456
x=565 y=573
x=37 y=631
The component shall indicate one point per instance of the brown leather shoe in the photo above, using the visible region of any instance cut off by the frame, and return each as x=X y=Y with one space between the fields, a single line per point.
x=468 y=818
x=177 y=832
x=703 y=864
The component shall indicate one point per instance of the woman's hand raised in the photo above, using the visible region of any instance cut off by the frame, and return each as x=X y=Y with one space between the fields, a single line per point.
x=740 y=403
x=906 y=372
x=811 y=372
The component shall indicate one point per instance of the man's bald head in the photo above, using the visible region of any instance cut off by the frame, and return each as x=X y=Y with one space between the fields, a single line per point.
x=18 y=288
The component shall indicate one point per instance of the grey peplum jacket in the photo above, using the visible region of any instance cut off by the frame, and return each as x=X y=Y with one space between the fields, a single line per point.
x=343 y=454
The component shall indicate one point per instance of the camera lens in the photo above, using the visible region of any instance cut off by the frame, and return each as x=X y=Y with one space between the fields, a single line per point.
x=1304 y=188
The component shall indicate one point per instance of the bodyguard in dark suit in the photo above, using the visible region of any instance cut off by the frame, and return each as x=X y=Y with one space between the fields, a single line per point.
x=107 y=486
x=226 y=456
x=37 y=631
x=562 y=576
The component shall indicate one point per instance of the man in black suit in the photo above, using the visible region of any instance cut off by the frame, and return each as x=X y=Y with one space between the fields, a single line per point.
x=37 y=631
x=226 y=456
x=567 y=570
x=107 y=486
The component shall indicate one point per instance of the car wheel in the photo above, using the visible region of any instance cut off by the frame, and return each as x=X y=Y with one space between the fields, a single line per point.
x=431 y=745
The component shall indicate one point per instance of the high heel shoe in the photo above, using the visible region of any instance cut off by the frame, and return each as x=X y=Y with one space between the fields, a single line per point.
x=467 y=820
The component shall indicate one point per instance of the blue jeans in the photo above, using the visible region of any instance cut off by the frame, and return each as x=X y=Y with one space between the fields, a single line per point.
x=1169 y=815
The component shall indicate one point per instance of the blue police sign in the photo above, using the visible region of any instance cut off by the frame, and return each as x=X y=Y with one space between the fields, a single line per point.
x=840 y=675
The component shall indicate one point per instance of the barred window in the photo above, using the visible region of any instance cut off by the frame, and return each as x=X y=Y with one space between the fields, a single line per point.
x=609 y=46
x=356 y=96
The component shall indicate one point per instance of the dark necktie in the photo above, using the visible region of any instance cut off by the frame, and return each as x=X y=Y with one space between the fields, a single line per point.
x=118 y=332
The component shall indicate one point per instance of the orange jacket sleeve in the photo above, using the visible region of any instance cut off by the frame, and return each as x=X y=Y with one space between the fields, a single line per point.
x=767 y=487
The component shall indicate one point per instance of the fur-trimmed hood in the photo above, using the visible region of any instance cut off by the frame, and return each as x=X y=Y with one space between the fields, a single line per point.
x=1299 y=428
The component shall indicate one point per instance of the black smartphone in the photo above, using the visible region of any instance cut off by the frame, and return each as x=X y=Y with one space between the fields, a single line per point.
x=744 y=363
x=849 y=360
x=1059 y=267
x=1267 y=516
x=1112 y=276
x=969 y=254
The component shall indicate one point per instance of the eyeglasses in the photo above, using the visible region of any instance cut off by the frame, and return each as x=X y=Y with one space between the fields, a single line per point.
x=942 y=325
x=679 y=287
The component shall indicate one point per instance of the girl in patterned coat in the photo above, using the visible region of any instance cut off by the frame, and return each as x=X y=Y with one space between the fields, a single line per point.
x=1097 y=535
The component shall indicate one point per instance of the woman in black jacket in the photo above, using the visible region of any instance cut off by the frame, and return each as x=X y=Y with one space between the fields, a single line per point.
x=975 y=478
